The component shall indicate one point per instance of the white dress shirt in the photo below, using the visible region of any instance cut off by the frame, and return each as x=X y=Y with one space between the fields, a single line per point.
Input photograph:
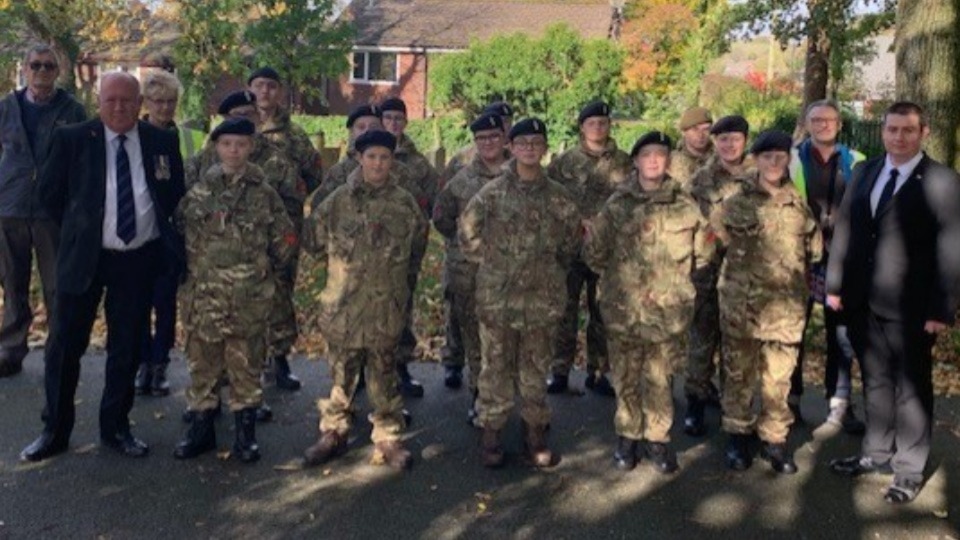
x=904 y=172
x=146 y=218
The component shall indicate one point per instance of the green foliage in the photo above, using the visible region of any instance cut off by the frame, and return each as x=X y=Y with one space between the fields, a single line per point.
x=550 y=77
x=763 y=109
x=447 y=131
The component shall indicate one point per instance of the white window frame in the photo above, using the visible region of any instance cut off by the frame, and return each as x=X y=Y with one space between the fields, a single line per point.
x=366 y=80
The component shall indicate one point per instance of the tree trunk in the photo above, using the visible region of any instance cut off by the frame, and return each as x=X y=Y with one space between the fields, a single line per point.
x=928 y=45
x=816 y=71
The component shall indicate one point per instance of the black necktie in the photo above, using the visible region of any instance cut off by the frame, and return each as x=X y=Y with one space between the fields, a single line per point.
x=126 y=208
x=887 y=192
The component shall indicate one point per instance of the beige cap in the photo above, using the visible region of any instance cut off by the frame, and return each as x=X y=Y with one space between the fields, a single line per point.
x=695 y=116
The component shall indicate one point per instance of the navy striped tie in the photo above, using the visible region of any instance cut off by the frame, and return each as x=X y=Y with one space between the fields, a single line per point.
x=126 y=208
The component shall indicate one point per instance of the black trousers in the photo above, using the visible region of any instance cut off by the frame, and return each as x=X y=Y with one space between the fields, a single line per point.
x=897 y=371
x=160 y=339
x=127 y=277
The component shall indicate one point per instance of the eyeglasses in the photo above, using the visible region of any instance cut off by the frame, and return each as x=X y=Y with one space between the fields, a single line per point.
x=37 y=66
x=487 y=139
x=528 y=144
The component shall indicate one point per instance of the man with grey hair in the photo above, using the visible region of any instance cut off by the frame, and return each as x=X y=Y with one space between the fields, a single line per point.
x=27 y=119
x=112 y=184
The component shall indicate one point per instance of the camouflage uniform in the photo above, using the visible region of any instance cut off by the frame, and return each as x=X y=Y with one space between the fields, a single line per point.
x=770 y=240
x=237 y=233
x=369 y=238
x=591 y=179
x=338 y=175
x=709 y=187
x=683 y=164
x=645 y=246
x=292 y=142
x=522 y=236
x=459 y=275
x=459 y=160
x=281 y=175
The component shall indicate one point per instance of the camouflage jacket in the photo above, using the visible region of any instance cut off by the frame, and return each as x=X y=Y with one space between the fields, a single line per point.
x=459 y=160
x=338 y=174
x=459 y=273
x=424 y=182
x=278 y=172
x=369 y=238
x=591 y=178
x=683 y=164
x=293 y=142
x=523 y=236
x=237 y=235
x=645 y=245
x=771 y=240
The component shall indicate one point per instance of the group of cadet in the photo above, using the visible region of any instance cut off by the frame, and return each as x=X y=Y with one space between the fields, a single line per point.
x=698 y=259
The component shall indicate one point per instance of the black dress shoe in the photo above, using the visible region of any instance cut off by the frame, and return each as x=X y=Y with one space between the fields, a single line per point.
x=45 y=446
x=662 y=457
x=902 y=491
x=738 y=454
x=780 y=458
x=408 y=386
x=693 y=419
x=601 y=386
x=557 y=384
x=126 y=444
x=159 y=386
x=625 y=458
x=9 y=368
x=142 y=382
x=453 y=377
x=858 y=465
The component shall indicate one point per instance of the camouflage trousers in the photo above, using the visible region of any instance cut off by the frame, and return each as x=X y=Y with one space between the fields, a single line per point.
x=463 y=309
x=381 y=376
x=407 y=344
x=241 y=357
x=580 y=277
x=513 y=360
x=282 y=331
x=703 y=342
x=451 y=354
x=747 y=362
x=643 y=379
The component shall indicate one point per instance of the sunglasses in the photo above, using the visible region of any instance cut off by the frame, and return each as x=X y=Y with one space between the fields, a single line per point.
x=37 y=66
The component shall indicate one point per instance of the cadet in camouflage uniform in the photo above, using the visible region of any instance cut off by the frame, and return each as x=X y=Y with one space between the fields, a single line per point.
x=237 y=234
x=370 y=233
x=523 y=230
x=695 y=148
x=393 y=114
x=459 y=275
x=771 y=240
x=645 y=243
x=292 y=143
x=591 y=172
x=465 y=155
x=718 y=180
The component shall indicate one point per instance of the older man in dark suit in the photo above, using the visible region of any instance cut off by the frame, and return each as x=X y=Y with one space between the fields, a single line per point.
x=894 y=272
x=112 y=184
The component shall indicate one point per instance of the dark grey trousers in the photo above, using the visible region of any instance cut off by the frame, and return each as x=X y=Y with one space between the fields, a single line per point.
x=19 y=239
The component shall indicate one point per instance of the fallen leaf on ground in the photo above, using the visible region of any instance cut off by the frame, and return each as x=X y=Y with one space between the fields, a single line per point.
x=159 y=415
x=292 y=465
x=85 y=449
x=223 y=455
x=433 y=450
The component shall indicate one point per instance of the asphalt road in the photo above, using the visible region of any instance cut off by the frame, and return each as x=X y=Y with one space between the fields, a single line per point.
x=91 y=492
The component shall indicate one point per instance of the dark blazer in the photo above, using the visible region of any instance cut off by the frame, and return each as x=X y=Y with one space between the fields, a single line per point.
x=73 y=191
x=905 y=264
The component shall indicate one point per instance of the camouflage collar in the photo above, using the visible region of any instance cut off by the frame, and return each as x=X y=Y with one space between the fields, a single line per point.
x=609 y=148
x=280 y=122
x=786 y=195
x=358 y=186
x=252 y=175
x=510 y=172
x=669 y=190
x=480 y=168
x=405 y=145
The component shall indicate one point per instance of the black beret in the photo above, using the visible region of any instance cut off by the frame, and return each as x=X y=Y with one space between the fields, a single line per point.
x=393 y=104
x=530 y=126
x=233 y=126
x=361 y=111
x=487 y=121
x=500 y=108
x=236 y=99
x=731 y=124
x=654 y=137
x=375 y=138
x=772 y=139
x=594 y=108
x=266 y=72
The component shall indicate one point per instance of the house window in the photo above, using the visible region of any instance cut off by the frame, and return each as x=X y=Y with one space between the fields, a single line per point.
x=375 y=67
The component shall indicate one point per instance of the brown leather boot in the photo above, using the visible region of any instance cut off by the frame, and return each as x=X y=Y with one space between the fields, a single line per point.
x=330 y=445
x=491 y=453
x=394 y=454
x=535 y=447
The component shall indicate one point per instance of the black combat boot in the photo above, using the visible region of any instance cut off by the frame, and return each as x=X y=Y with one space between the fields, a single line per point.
x=662 y=457
x=453 y=377
x=693 y=419
x=142 y=383
x=264 y=413
x=159 y=386
x=738 y=453
x=286 y=380
x=625 y=458
x=600 y=385
x=491 y=452
x=189 y=415
x=408 y=386
x=329 y=445
x=780 y=458
x=200 y=438
x=245 y=446
x=557 y=384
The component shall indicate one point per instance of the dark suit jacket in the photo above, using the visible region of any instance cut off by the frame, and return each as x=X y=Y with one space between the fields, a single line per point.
x=73 y=191
x=904 y=265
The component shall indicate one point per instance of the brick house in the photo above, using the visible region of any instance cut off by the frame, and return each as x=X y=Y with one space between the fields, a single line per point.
x=395 y=40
